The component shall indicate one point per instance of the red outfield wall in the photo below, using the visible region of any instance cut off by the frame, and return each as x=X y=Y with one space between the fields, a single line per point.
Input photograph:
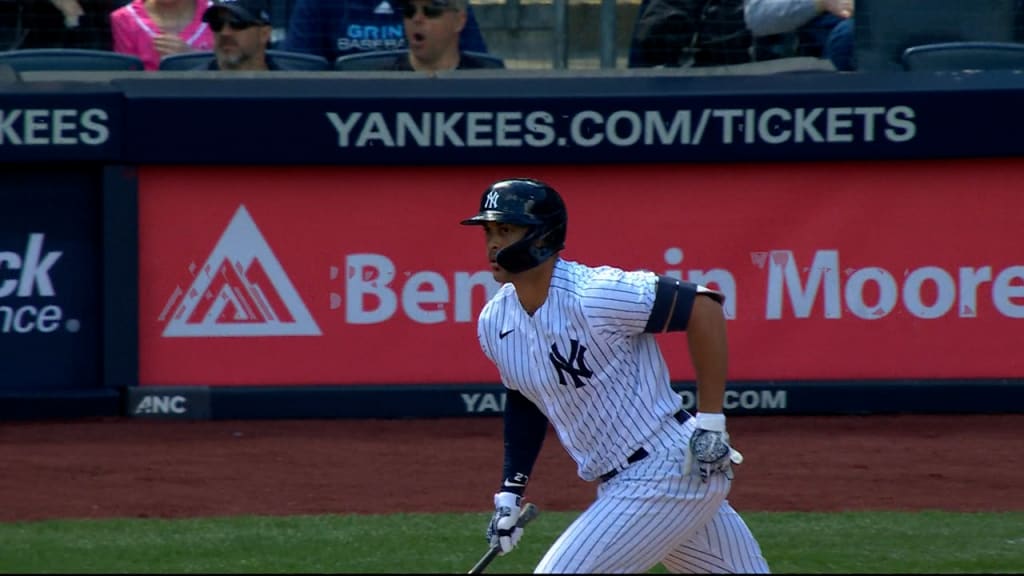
x=362 y=275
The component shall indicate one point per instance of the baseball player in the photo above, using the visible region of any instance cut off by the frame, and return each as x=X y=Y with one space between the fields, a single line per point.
x=575 y=347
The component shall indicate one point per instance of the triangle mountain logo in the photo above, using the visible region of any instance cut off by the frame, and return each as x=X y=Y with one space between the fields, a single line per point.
x=241 y=290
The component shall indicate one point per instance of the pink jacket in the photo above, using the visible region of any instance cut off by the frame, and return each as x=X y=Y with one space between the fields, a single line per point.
x=133 y=32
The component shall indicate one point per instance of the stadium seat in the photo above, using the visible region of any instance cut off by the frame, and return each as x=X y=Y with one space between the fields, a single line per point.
x=965 y=56
x=286 y=60
x=186 y=60
x=383 y=59
x=61 y=59
x=884 y=29
x=8 y=74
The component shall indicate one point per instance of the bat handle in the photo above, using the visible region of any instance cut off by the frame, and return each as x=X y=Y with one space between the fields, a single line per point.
x=491 y=555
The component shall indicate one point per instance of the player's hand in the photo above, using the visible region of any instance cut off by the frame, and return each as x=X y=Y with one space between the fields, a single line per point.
x=710 y=452
x=503 y=531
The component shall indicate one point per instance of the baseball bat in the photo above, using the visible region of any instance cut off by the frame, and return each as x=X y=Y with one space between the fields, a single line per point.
x=529 y=512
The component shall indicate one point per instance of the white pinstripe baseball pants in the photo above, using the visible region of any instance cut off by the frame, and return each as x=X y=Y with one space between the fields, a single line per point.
x=651 y=513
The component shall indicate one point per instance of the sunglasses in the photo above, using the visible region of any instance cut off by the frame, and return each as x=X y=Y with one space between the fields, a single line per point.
x=430 y=11
x=236 y=25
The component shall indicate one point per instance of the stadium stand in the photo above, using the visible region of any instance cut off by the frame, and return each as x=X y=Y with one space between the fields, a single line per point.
x=884 y=29
x=383 y=59
x=964 y=56
x=69 y=59
x=287 y=61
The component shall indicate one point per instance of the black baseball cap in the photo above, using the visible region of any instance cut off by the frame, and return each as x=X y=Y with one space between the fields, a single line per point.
x=249 y=11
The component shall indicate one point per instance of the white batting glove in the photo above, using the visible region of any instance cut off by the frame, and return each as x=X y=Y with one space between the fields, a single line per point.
x=503 y=531
x=710 y=451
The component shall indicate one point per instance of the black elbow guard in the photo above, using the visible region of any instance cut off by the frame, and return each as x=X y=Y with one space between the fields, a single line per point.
x=673 y=303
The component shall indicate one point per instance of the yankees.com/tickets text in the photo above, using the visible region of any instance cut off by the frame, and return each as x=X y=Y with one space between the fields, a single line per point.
x=622 y=128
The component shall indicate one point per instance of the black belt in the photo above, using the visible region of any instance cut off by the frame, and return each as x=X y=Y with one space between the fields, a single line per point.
x=641 y=453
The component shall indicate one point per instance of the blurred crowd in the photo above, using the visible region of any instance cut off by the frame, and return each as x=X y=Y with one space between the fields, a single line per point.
x=428 y=35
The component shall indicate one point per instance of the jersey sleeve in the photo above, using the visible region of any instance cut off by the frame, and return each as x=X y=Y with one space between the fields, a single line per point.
x=481 y=335
x=617 y=302
x=485 y=333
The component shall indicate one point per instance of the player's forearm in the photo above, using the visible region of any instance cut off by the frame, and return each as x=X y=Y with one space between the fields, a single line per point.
x=709 y=352
x=524 y=430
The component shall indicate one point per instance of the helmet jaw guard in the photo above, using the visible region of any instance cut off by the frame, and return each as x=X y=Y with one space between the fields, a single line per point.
x=524 y=253
x=530 y=203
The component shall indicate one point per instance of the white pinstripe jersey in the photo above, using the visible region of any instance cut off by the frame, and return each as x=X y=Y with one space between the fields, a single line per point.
x=585 y=361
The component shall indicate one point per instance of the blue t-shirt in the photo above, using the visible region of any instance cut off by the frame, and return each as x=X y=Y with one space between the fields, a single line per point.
x=332 y=28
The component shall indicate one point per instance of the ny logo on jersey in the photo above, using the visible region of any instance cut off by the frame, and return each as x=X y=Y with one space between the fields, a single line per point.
x=491 y=202
x=564 y=366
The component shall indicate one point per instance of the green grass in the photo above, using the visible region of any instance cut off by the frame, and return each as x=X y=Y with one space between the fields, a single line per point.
x=861 y=542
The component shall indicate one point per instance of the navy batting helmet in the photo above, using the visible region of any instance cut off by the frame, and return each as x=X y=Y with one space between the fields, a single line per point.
x=530 y=203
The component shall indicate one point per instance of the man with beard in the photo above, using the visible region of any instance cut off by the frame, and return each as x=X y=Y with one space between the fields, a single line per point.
x=241 y=31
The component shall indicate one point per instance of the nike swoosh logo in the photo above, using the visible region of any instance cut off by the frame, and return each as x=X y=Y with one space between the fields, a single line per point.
x=506 y=333
x=508 y=484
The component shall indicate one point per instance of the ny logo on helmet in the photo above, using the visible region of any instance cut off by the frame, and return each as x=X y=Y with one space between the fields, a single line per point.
x=563 y=366
x=492 y=200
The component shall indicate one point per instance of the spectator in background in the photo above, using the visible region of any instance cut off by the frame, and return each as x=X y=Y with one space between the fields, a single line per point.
x=332 y=28
x=61 y=24
x=685 y=33
x=818 y=28
x=242 y=35
x=432 y=29
x=152 y=29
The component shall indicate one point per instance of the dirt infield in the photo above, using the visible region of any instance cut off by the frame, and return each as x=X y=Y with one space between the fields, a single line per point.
x=140 y=468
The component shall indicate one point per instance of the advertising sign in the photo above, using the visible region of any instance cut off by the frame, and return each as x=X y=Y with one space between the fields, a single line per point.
x=49 y=280
x=589 y=120
x=362 y=275
x=45 y=122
